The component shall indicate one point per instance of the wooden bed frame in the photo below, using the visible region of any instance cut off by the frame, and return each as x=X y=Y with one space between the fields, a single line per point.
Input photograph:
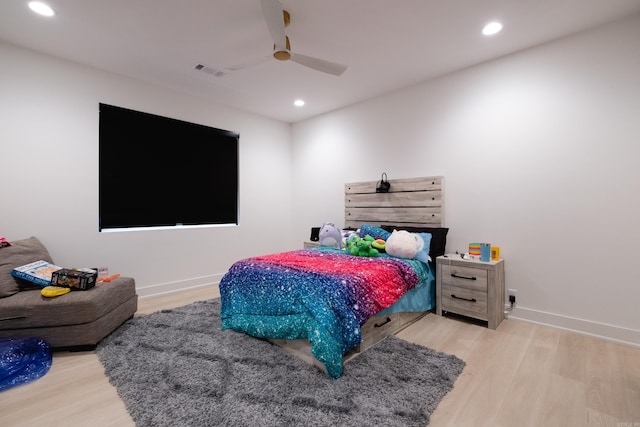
x=412 y=202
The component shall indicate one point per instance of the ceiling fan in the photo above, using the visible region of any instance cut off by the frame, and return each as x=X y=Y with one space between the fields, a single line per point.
x=277 y=19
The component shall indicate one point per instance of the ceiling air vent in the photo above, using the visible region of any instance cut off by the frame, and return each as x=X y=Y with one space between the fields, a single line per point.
x=210 y=70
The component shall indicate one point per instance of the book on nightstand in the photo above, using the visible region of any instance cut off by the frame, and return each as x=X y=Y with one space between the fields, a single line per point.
x=38 y=272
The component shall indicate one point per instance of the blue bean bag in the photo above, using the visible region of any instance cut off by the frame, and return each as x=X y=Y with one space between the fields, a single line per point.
x=23 y=360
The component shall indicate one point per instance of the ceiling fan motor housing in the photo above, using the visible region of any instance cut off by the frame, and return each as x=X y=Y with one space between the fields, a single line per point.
x=283 y=55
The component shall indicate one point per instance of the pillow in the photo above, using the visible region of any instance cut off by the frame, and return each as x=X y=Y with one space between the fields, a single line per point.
x=20 y=252
x=423 y=255
x=438 y=237
x=373 y=231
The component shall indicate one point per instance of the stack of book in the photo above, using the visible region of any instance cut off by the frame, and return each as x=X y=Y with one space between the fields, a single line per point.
x=44 y=273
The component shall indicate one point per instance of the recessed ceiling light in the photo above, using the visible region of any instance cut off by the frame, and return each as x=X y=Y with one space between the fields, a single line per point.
x=41 y=8
x=298 y=103
x=492 y=28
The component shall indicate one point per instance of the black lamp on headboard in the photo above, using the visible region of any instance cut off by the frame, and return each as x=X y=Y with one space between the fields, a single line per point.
x=383 y=185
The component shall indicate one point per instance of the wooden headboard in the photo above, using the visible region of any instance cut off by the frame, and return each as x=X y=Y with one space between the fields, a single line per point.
x=412 y=202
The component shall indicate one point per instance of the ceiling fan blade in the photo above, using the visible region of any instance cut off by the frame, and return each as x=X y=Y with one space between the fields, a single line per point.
x=274 y=15
x=319 y=64
x=250 y=63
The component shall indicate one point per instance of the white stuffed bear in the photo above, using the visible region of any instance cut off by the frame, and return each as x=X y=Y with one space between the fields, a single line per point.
x=402 y=244
x=330 y=235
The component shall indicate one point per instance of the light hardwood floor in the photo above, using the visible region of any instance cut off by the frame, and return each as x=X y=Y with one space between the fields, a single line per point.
x=521 y=374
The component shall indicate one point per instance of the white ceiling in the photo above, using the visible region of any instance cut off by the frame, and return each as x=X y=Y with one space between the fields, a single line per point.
x=387 y=45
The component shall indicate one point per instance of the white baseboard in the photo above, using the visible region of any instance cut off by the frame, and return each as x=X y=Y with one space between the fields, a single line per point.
x=582 y=326
x=163 y=288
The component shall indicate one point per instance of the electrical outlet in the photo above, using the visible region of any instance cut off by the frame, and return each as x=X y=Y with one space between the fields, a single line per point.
x=513 y=292
x=512 y=296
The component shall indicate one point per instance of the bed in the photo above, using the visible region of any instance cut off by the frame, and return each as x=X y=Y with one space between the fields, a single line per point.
x=338 y=303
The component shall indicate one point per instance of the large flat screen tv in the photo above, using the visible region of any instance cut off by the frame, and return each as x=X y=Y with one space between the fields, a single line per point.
x=157 y=171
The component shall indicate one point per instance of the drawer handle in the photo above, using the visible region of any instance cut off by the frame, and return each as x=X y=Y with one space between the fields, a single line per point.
x=465 y=299
x=378 y=325
x=459 y=276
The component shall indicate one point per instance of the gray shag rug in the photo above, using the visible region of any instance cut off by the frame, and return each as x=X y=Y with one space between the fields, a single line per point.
x=178 y=368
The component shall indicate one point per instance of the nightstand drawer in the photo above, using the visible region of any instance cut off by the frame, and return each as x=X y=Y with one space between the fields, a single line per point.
x=469 y=302
x=464 y=277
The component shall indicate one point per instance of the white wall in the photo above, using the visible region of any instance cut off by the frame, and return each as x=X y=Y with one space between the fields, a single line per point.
x=49 y=180
x=540 y=152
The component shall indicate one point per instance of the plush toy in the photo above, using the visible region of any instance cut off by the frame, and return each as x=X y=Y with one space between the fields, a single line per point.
x=331 y=236
x=379 y=244
x=359 y=246
x=352 y=241
x=402 y=244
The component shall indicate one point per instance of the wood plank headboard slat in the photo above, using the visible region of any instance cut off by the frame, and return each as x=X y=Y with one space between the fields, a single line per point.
x=410 y=202
x=414 y=199
x=397 y=185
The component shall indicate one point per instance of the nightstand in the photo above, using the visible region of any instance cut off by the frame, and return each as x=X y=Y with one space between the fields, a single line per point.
x=471 y=288
x=307 y=244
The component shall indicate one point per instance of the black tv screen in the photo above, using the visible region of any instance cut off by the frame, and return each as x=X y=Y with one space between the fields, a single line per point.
x=157 y=171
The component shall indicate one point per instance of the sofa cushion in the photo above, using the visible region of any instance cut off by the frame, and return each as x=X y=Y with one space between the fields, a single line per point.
x=29 y=309
x=20 y=252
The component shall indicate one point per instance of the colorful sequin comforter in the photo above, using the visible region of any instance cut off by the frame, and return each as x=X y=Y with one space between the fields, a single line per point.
x=323 y=295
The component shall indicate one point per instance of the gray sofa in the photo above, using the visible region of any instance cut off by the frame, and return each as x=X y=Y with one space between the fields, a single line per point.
x=77 y=320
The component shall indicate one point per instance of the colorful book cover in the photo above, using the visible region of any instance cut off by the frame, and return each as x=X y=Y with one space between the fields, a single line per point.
x=38 y=272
